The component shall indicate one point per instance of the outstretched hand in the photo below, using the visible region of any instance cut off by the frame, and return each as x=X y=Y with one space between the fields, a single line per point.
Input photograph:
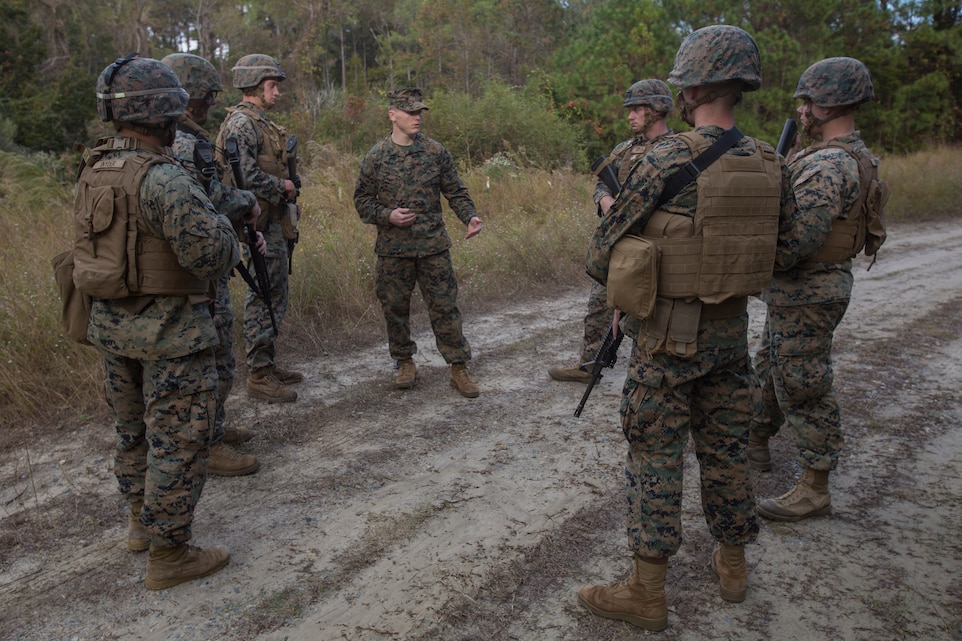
x=474 y=227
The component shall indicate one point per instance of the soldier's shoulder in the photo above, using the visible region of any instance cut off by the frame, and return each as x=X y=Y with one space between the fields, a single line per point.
x=238 y=119
x=167 y=175
x=674 y=145
x=431 y=145
x=184 y=144
x=378 y=149
x=832 y=159
x=622 y=147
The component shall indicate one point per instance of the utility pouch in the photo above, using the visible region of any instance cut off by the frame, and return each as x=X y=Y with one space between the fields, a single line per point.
x=878 y=195
x=633 y=276
x=683 y=328
x=656 y=327
x=74 y=304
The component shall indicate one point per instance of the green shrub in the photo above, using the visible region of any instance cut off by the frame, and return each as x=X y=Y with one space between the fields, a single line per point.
x=507 y=121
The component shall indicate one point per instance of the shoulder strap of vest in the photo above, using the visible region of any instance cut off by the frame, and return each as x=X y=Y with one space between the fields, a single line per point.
x=690 y=171
x=126 y=143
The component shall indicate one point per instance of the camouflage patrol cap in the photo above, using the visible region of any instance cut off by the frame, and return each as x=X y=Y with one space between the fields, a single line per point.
x=836 y=82
x=196 y=75
x=251 y=69
x=407 y=99
x=652 y=93
x=715 y=54
x=140 y=91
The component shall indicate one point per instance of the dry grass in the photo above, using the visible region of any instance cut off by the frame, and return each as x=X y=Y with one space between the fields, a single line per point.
x=536 y=226
x=925 y=185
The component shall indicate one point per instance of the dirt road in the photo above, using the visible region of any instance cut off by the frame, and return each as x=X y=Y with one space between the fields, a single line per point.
x=413 y=515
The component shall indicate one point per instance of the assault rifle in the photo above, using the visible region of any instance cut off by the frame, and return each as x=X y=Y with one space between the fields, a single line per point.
x=607 y=356
x=206 y=171
x=291 y=150
x=606 y=175
x=787 y=139
x=263 y=287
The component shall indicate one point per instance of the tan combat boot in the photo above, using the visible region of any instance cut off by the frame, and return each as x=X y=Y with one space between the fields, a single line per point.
x=461 y=379
x=169 y=566
x=286 y=376
x=639 y=601
x=569 y=373
x=226 y=461
x=137 y=538
x=234 y=435
x=728 y=562
x=759 y=456
x=263 y=385
x=407 y=373
x=809 y=497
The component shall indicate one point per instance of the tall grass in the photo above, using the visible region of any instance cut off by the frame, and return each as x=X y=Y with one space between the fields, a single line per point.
x=41 y=372
x=536 y=226
x=537 y=223
x=925 y=184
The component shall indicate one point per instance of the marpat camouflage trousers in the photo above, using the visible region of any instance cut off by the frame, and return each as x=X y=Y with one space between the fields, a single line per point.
x=165 y=412
x=664 y=400
x=434 y=276
x=794 y=369
x=223 y=352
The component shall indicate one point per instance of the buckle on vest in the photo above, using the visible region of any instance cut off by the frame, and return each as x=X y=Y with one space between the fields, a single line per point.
x=690 y=170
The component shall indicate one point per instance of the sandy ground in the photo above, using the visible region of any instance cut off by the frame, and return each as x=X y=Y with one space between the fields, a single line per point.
x=411 y=515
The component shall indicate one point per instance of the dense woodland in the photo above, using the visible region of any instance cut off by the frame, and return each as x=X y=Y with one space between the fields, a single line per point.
x=540 y=81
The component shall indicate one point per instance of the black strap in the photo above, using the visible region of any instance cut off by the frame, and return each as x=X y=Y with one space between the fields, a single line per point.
x=248 y=278
x=692 y=169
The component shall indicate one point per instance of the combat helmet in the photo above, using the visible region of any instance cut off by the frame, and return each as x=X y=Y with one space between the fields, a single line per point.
x=717 y=54
x=140 y=91
x=251 y=69
x=836 y=82
x=196 y=74
x=652 y=93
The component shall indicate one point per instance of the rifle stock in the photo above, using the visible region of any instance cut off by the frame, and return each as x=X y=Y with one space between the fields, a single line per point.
x=607 y=175
x=263 y=288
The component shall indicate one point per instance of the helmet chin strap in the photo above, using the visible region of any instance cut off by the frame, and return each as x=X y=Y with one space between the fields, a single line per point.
x=814 y=122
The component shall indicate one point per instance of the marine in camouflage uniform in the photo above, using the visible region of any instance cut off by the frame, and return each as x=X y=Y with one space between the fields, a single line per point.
x=202 y=83
x=807 y=302
x=398 y=190
x=157 y=349
x=704 y=391
x=263 y=161
x=649 y=102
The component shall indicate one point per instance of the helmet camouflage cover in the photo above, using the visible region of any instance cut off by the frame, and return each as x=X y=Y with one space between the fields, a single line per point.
x=716 y=54
x=251 y=69
x=836 y=82
x=652 y=93
x=140 y=91
x=196 y=74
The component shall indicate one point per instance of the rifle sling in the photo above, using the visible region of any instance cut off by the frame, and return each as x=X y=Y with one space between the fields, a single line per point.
x=690 y=171
x=248 y=278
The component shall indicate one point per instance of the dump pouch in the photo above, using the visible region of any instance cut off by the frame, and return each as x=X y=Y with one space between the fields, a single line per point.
x=633 y=276
x=74 y=304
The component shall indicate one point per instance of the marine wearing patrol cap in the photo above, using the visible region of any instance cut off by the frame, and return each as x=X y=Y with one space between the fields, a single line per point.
x=407 y=100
